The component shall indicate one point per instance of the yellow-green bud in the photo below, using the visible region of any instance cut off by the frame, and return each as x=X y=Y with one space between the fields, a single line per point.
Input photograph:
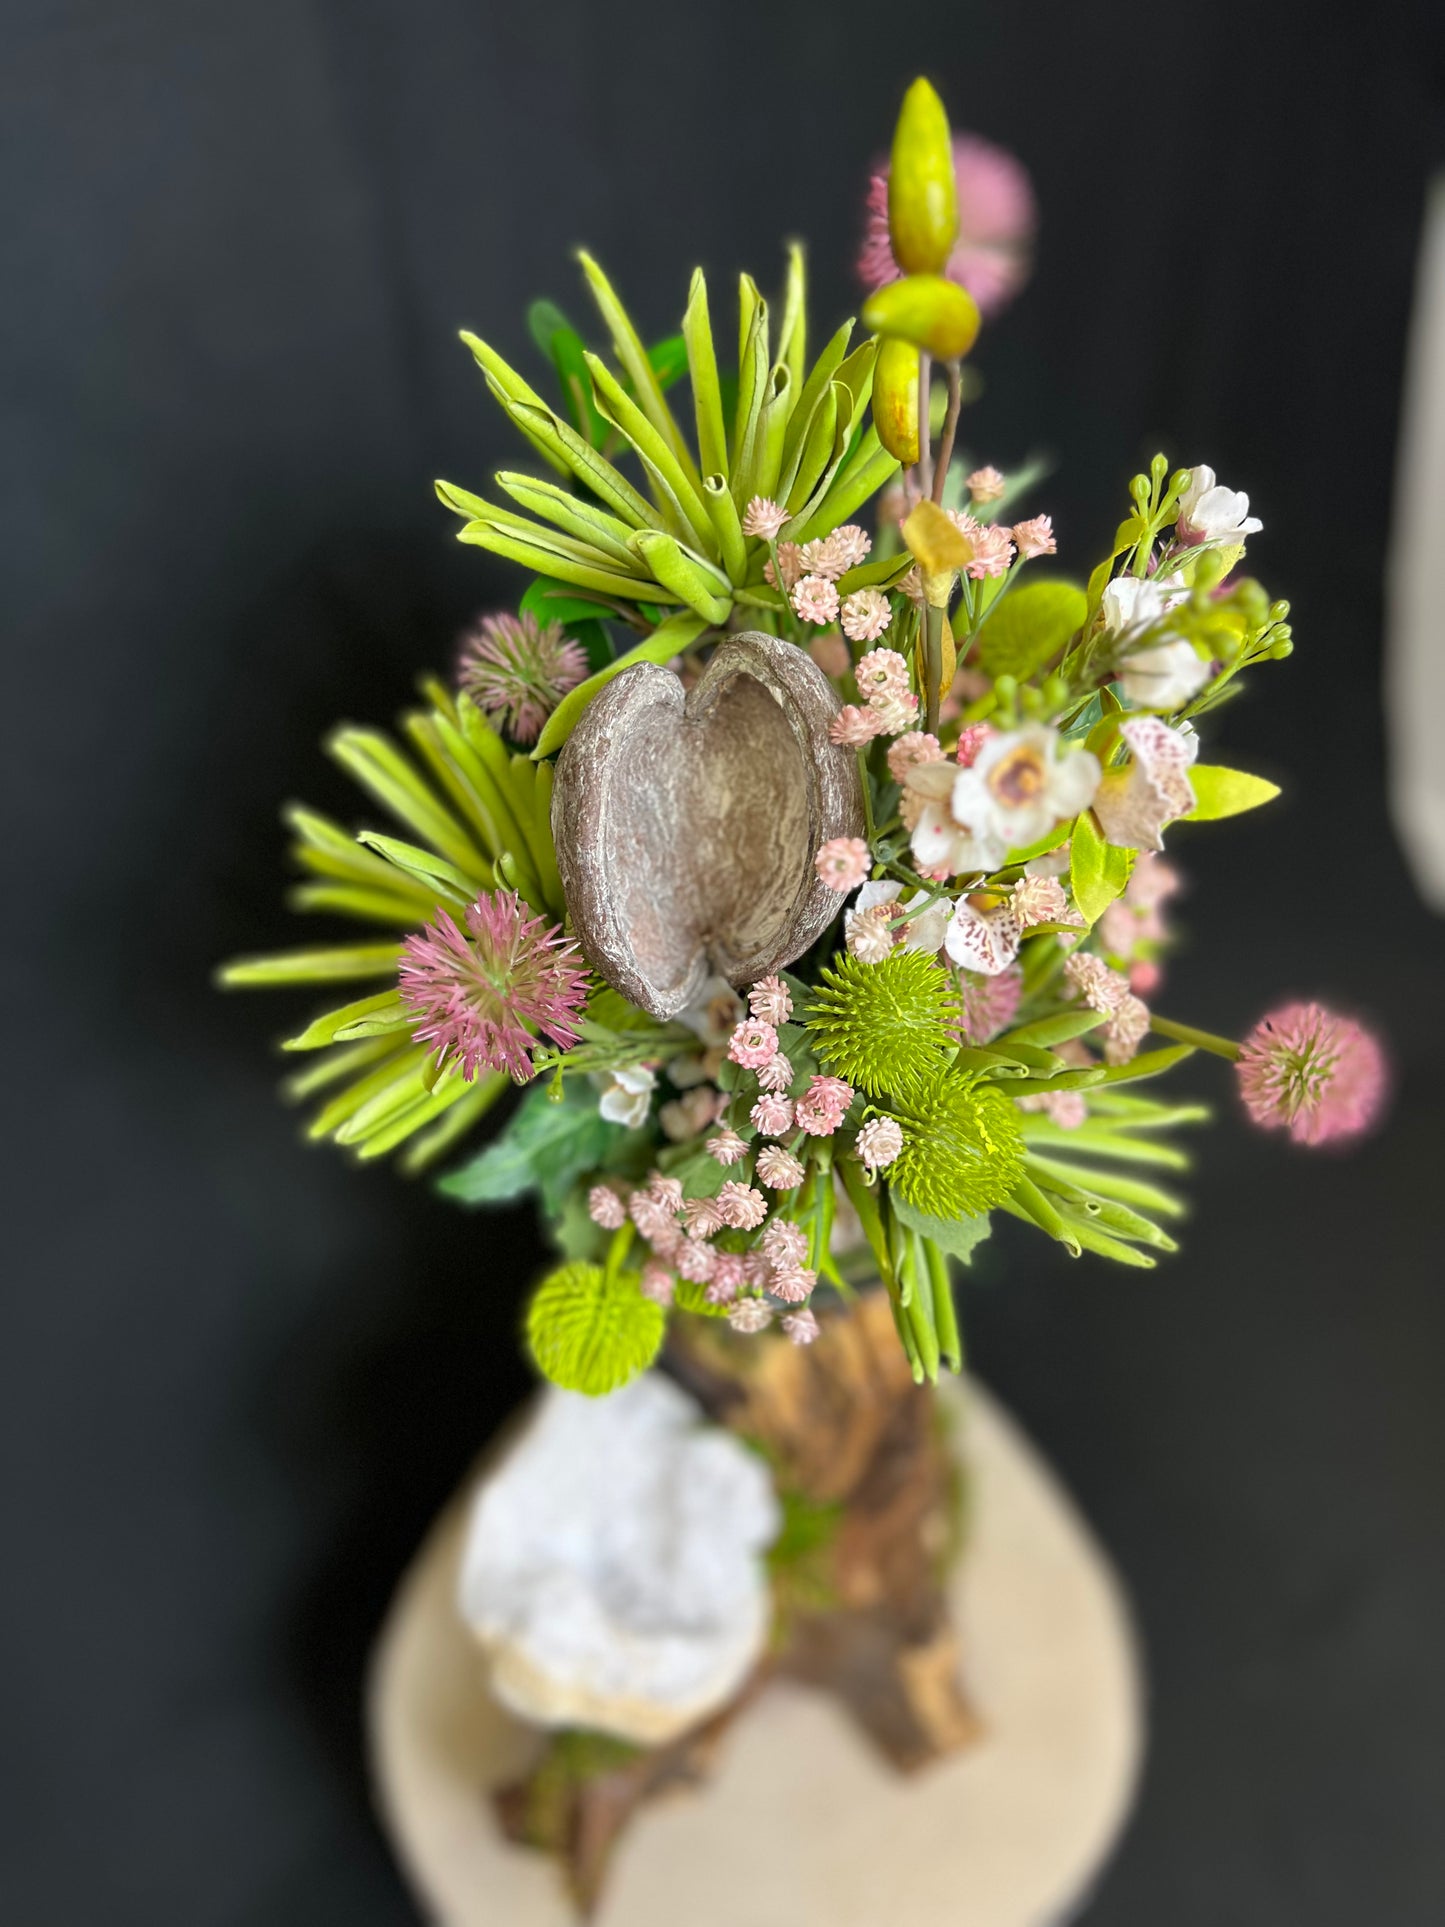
x=895 y=399
x=927 y=310
x=922 y=191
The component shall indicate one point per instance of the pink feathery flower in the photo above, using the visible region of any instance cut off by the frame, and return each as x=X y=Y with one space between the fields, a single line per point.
x=1041 y=899
x=770 y=1000
x=752 y=1043
x=778 y=1169
x=666 y=1240
x=729 y=1275
x=870 y=935
x=987 y=1004
x=657 y=1283
x=815 y=599
x=971 y=739
x=801 y=1326
x=652 y=1219
x=727 y=1147
x=1036 y=536
x=516 y=670
x=992 y=553
x=1145 y=976
x=784 y=1245
x=703 y=1216
x=750 y=1315
x=740 y=1206
x=879 y=1142
x=792 y=1283
x=852 y=727
x=817 y=558
x=695 y=1259
x=763 y=517
x=866 y=614
x=667 y=1191
x=1318 y=1075
x=996 y=221
x=882 y=672
x=918 y=746
x=776 y=1074
x=772 y=1114
x=896 y=710
x=757 y=1268
x=790 y=561
x=842 y=864
x=605 y=1208
x=823 y=1106
x=986 y=485
x=848 y=547
x=481 y=997
x=1108 y=992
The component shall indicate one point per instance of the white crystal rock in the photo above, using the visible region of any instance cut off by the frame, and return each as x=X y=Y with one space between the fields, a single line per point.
x=612 y=1569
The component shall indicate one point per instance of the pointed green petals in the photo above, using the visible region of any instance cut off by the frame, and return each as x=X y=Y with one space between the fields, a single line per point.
x=344 y=964
x=629 y=350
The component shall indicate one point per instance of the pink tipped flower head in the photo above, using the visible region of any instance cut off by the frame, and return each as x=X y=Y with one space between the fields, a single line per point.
x=657 y=1283
x=986 y=485
x=784 y=1245
x=752 y=1043
x=1041 y=899
x=882 y=672
x=790 y=562
x=695 y=1260
x=842 y=864
x=852 y=727
x=996 y=221
x=605 y=1208
x=740 y=1206
x=703 y=1216
x=866 y=614
x=1035 y=537
x=763 y=517
x=750 y=1315
x=729 y=1275
x=822 y=1107
x=848 y=548
x=772 y=1114
x=516 y=670
x=993 y=550
x=869 y=934
x=879 y=1142
x=482 y=997
x=971 y=739
x=776 y=1074
x=815 y=599
x=792 y=1283
x=896 y=710
x=1319 y=1076
x=667 y=1191
x=778 y=1169
x=771 y=1000
x=987 y=1004
x=801 y=1326
x=918 y=746
x=830 y=652
x=727 y=1147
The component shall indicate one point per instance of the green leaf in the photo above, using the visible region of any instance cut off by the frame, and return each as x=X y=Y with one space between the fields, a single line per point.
x=669 y=360
x=551 y=600
x=1098 y=871
x=343 y=965
x=665 y=642
x=1225 y=792
x=956 y=1236
x=591 y=1330
x=1030 y=627
x=689 y=1296
x=546 y=1146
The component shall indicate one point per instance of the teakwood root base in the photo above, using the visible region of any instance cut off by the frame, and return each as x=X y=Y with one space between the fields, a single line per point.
x=803 y=1823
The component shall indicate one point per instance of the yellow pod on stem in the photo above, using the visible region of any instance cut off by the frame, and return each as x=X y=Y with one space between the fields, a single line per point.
x=933 y=313
x=922 y=189
x=895 y=398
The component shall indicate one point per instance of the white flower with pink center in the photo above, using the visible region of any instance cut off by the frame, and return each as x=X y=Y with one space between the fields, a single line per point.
x=1209 y=513
x=1022 y=782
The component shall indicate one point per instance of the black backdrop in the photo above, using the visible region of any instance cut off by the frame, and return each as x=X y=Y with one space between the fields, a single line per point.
x=238 y=1375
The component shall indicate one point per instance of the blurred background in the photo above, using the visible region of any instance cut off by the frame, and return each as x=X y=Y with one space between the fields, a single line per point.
x=239 y=1375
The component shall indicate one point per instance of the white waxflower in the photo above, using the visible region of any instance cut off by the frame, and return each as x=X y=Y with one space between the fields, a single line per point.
x=1209 y=513
x=626 y=1094
x=1021 y=783
x=983 y=940
x=1134 y=803
x=1130 y=602
x=939 y=841
x=1164 y=676
x=923 y=932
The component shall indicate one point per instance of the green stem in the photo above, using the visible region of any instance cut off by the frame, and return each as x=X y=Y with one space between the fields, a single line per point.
x=932 y=664
x=867 y=797
x=1201 y=1039
x=950 y=429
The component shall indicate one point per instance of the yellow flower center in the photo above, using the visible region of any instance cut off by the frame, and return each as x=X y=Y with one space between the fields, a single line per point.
x=1018 y=777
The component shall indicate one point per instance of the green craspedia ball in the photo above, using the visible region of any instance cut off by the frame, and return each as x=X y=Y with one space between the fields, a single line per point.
x=591 y=1332
x=962 y=1148
x=887 y=1027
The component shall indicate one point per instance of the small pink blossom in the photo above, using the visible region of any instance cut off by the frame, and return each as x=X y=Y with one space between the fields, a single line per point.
x=763 y=517
x=757 y=1267
x=988 y=1005
x=703 y=1216
x=778 y=1169
x=652 y=1219
x=815 y=599
x=657 y=1283
x=911 y=584
x=911 y=750
x=727 y=1147
x=1145 y=976
x=752 y=1043
x=695 y=1260
x=772 y=1115
x=516 y=670
x=605 y=1208
x=1108 y=992
x=1318 y=1075
x=685 y=1116
x=879 y=1142
x=750 y=1315
x=784 y=1245
x=896 y=711
x=882 y=672
x=866 y=614
x=869 y=933
x=801 y=1326
x=776 y=1074
x=729 y=1275
x=852 y=727
x=1041 y=899
x=667 y=1191
x=741 y=1207
x=1067 y=1109
x=821 y=1108
x=971 y=739
x=770 y=1000
x=793 y=1284
x=842 y=864
x=1035 y=537
x=848 y=547
x=790 y=561
x=986 y=485
x=992 y=553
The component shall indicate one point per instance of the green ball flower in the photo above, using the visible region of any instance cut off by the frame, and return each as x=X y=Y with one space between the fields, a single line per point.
x=962 y=1149
x=887 y=1027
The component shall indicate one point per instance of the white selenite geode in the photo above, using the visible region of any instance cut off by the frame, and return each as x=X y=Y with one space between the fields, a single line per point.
x=612 y=1569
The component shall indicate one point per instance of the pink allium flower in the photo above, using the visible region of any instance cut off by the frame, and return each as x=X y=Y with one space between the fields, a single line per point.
x=987 y=1005
x=1318 y=1075
x=750 y=1315
x=793 y=1284
x=879 y=1142
x=866 y=614
x=752 y=1043
x=657 y=1283
x=882 y=672
x=852 y=727
x=729 y=1275
x=896 y=711
x=695 y=1260
x=801 y=1326
x=996 y=221
x=842 y=864
x=986 y=485
x=772 y=1114
x=815 y=599
x=776 y=1074
x=971 y=739
x=741 y=1207
x=790 y=561
x=727 y=1147
x=1035 y=537
x=821 y=1108
x=703 y=1216
x=911 y=750
x=992 y=553
x=481 y=997
x=667 y=1191
x=778 y=1169
x=763 y=517
x=1145 y=976
x=516 y=670
x=830 y=652
x=869 y=934
x=604 y=1207
x=1041 y=899
x=770 y=1000
x=784 y=1245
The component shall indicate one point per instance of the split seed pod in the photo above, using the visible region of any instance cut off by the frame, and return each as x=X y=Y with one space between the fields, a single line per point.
x=922 y=186
x=686 y=823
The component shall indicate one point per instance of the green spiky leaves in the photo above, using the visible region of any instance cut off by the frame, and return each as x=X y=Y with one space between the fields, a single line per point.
x=889 y=1028
x=591 y=1330
x=962 y=1150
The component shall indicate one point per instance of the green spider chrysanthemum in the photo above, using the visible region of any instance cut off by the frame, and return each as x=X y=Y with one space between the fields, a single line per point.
x=962 y=1149
x=887 y=1027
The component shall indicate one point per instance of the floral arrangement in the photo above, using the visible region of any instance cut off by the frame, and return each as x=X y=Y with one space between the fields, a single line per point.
x=804 y=861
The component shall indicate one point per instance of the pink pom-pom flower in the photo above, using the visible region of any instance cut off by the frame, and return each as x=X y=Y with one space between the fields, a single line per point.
x=1320 y=1076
